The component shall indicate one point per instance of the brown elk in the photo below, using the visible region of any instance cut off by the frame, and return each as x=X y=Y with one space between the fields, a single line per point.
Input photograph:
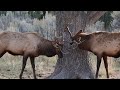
x=102 y=44
x=28 y=45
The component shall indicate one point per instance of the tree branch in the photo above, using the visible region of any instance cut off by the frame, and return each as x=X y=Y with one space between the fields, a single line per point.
x=94 y=16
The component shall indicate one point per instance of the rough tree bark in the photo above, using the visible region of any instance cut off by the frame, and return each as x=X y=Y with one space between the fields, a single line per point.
x=75 y=64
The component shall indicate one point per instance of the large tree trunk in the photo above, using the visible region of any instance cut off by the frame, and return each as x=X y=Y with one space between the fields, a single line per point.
x=74 y=64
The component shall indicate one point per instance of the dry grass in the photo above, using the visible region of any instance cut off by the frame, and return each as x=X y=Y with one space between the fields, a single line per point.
x=113 y=66
x=10 y=67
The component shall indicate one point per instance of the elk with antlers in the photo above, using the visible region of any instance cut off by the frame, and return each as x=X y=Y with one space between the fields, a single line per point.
x=28 y=45
x=102 y=44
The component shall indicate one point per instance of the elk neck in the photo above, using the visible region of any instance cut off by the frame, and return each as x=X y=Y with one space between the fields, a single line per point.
x=85 y=42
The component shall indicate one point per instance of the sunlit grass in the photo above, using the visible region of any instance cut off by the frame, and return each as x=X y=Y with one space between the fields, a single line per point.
x=10 y=66
x=113 y=66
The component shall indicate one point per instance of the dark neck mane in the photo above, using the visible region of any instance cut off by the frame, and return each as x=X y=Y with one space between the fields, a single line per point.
x=85 y=42
x=47 y=48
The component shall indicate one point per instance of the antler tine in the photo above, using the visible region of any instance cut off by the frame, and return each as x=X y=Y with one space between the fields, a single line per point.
x=69 y=31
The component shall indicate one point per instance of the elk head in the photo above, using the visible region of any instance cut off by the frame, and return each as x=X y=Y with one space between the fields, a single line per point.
x=75 y=38
x=58 y=44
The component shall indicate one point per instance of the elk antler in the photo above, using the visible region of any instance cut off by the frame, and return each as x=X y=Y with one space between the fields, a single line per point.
x=67 y=29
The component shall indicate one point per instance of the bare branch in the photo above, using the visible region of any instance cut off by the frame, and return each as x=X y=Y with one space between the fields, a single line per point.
x=91 y=13
x=94 y=16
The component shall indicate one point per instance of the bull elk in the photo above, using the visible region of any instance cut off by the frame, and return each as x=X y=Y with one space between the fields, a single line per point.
x=28 y=45
x=102 y=44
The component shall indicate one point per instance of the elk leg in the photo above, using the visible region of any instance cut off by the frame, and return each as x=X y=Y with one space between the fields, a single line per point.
x=98 y=65
x=33 y=66
x=106 y=65
x=23 y=65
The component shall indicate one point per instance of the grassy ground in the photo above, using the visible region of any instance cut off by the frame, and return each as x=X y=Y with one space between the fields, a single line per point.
x=10 y=67
x=113 y=67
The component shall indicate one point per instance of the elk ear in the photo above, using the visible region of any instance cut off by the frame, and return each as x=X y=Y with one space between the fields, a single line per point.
x=78 y=33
